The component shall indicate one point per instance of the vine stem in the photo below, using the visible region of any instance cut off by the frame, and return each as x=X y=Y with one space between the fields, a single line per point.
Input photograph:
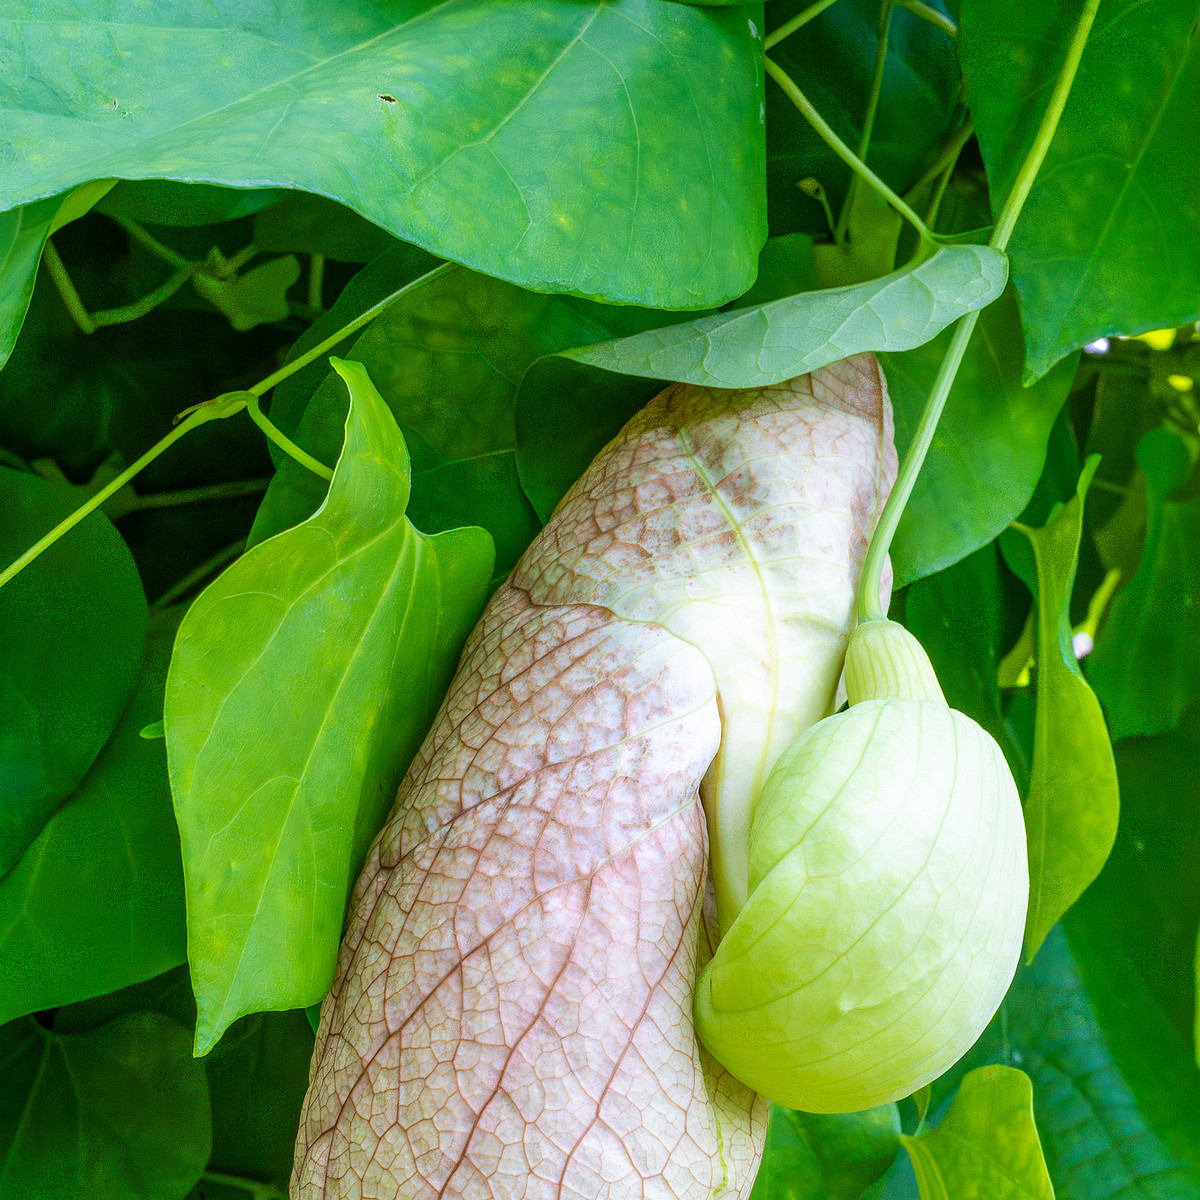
x=835 y=143
x=209 y=412
x=928 y=13
x=790 y=27
x=868 y=606
x=215 y=410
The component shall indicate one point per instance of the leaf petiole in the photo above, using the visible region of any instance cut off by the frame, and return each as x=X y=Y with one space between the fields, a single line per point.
x=868 y=606
x=835 y=143
x=928 y=13
x=800 y=19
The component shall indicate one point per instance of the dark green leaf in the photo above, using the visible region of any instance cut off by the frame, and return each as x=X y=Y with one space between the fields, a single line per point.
x=1109 y=238
x=120 y=920
x=990 y=443
x=986 y=1145
x=72 y=626
x=117 y=1113
x=619 y=145
x=1072 y=807
x=769 y=343
x=447 y=357
x=957 y=615
x=279 y=791
x=1116 y=1092
x=257 y=1076
x=1146 y=665
x=306 y=224
x=165 y=202
x=832 y=58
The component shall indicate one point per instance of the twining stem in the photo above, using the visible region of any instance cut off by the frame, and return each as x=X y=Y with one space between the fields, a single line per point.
x=155 y=247
x=943 y=165
x=928 y=13
x=215 y=410
x=196 y=419
x=864 y=142
x=790 y=27
x=868 y=605
x=66 y=288
x=835 y=143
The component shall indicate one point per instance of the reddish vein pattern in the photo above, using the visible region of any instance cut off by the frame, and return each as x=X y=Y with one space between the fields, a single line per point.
x=512 y=1014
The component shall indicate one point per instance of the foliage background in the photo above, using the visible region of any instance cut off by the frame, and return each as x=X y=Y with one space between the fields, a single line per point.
x=605 y=175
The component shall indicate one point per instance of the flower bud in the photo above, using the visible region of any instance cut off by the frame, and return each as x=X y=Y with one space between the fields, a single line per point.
x=888 y=887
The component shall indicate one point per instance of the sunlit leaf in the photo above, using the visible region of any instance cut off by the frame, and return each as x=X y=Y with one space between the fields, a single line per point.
x=987 y=1144
x=72 y=626
x=1145 y=666
x=121 y=919
x=769 y=343
x=302 y=682
x=1072 y=807
x=1109 y=238
x=119 y=1112
x=619 y=145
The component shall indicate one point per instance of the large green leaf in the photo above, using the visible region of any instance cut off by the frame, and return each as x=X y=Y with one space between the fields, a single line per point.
x=826 y=1157
x=447 y=357
x=1072 y=807
x=72 y=626
x=1116 y=1094
x=1146 y=665
x=989 y=447
x=119 y=1112
x=769 y=343
x=986 y=1145
x=609 y=149
x=1109 y=239
x=121 y=920
x=832 y=58
x=302 y=682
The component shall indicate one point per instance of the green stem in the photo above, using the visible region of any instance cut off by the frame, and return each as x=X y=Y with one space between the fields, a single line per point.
x=840 y=148
x=215 y=491
x=868 y=606
x=155 y=247
x=139 y=308
x=790 y=27
x=943 y=165
x=258 y=1189
x=284 y=442
x=197 y=575
x=66 y=289
x=197 y=418
x=290 y=368
x=316 y=281
x=928 y=13
x=864 y=142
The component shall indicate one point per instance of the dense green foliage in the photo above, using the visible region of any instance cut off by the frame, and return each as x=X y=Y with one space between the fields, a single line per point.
x=623 y=195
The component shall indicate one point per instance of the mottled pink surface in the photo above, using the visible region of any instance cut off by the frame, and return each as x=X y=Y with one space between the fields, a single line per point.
x=512 y=1013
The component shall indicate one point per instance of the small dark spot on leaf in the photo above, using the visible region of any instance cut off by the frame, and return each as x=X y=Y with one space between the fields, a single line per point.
x=386 y=98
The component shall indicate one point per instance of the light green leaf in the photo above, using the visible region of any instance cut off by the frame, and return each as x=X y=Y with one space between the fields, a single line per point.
x=302 y=682
x=121 y=920
x=119 y=1112
x=72 y=626
x=1072 y=807
x=1145 y=666
x=1109 y=238
x=619 y=145
x=987 y=1144
x=769 y=343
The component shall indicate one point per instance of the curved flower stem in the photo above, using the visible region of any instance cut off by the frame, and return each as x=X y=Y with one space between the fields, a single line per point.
x=835 y=143
x=284 y=442
x=868 y=606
